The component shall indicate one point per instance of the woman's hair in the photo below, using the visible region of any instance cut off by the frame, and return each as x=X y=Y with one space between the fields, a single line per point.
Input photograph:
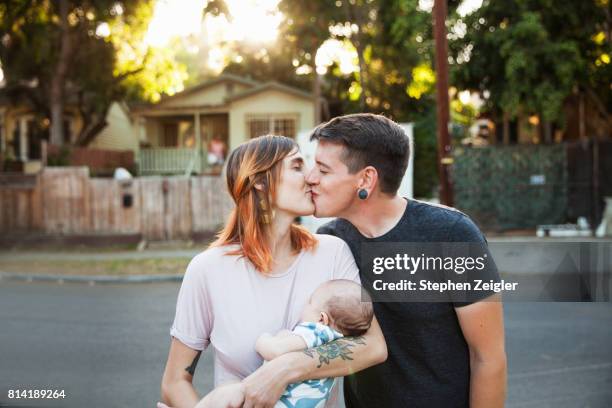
x=257 y=162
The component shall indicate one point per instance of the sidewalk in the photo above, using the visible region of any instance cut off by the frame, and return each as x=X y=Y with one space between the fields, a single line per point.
x=150 y=265
x=99 y=256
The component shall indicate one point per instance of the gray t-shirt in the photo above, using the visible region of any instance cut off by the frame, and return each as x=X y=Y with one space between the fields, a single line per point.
x=428 y=362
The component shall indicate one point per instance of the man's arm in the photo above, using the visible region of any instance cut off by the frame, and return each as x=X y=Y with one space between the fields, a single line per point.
x=269 y=347
x=334 y=359
x=176 y=387
x=482 y=324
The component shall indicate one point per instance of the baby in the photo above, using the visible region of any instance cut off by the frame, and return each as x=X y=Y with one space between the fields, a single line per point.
x=334 y=310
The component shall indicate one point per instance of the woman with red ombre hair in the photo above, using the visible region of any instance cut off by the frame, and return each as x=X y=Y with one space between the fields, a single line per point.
x=255 y=278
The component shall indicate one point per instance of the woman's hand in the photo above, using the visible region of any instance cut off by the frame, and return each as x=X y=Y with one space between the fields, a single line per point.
x=224 y=396
x=264 y=387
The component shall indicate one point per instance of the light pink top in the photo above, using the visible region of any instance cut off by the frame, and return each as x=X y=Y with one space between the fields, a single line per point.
x=225 y=301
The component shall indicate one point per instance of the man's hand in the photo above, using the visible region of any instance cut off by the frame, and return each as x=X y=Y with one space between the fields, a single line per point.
x=264 y=387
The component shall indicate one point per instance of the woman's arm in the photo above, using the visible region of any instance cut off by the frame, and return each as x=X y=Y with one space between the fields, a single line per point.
x=335 y=359
x=176 y=388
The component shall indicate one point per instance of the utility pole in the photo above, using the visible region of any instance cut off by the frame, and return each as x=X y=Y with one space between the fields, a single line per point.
x=444 y=147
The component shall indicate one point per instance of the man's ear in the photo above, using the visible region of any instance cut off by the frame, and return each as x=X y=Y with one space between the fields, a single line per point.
x=324 y=318
x=368 y=179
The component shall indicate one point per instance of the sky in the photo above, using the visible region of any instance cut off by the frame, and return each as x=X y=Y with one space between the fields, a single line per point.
x=253 y=21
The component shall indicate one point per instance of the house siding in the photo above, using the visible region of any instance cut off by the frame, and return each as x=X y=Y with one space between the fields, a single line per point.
x=270 y=102
x=119 y=134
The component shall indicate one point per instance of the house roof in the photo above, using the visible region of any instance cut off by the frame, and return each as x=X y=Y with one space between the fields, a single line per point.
x=206 y=84
x=254 y=88
x=270 y=86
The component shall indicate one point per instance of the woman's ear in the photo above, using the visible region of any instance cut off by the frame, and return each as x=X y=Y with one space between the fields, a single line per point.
x=324 y=318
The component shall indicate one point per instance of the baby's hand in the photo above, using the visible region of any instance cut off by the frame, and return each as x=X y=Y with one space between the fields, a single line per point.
x=264 y=336
x=284 y=333
x=262 y=344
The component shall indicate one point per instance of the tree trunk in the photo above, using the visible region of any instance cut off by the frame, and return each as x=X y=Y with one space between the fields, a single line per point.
x=316 y=92
x=506 y=131
x=58 y=81
x=362 y=74
x=547 y=131
x=89 y=132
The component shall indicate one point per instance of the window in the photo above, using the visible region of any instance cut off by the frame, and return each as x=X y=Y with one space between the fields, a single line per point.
x=258 y=127
x=283 y=125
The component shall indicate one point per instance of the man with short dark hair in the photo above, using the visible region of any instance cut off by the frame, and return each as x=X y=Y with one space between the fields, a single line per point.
x=441 y=354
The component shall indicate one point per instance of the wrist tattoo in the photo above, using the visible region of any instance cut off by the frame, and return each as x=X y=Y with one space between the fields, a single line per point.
x=340 y=348
x=194 y=363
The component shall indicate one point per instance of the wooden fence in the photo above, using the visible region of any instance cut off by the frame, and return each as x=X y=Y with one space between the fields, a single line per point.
x=66 y=201
x=99 y=161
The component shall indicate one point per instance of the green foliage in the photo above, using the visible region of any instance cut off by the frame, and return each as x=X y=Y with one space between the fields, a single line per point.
x=105 y=54
x=61 y=158
x=425 y=155
x=531 y=54
x=147 y=72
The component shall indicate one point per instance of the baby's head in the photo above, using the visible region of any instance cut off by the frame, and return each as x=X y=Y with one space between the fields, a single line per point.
x=338 y=304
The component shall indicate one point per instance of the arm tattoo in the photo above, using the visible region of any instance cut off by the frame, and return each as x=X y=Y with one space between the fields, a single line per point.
x=194 y=363
x=340 y=348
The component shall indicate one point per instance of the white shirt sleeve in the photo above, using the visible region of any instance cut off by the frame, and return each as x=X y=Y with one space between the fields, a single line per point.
x=344 y=264
x=193 y=319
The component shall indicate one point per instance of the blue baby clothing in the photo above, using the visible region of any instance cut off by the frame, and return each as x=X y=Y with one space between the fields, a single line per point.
x=310 y=393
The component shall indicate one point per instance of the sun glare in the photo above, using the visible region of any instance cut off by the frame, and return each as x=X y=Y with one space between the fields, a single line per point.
x=252 y=21
x=174 y=18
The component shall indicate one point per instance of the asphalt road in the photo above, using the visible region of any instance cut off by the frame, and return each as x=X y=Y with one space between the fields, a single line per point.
x=106 y=345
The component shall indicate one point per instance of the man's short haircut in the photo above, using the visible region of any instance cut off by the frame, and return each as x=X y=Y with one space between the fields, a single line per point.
x=369 y=140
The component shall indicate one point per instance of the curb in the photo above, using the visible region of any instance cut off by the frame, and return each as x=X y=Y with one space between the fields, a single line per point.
x=91 y=280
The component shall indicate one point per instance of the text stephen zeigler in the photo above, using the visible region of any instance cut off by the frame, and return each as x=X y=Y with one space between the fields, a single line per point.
x=459 y=265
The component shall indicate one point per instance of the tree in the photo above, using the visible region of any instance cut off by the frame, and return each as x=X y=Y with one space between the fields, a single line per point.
x=393 y=75
x=88 y=54
x=528 y=56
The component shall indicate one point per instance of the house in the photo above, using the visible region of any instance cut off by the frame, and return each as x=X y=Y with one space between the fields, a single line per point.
x=189 y=132
x=22 y=131
x=192 y=131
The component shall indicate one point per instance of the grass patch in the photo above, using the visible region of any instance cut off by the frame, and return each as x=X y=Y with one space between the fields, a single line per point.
x=175 y=266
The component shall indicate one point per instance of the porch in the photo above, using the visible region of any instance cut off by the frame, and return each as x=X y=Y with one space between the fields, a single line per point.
x=183 y=144
x=170 y=160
